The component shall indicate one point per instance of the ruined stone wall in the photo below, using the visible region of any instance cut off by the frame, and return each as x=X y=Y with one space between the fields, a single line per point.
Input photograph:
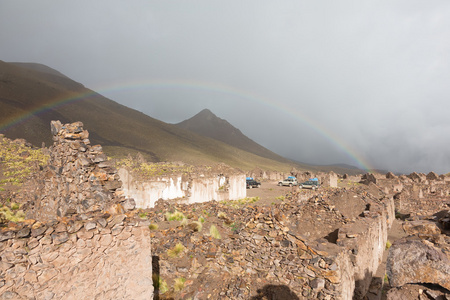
x=103 y=257
x=78 y=178
x=365 y=242
x=189 y=190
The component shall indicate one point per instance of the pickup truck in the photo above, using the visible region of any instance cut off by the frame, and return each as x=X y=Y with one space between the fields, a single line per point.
x=290 y=181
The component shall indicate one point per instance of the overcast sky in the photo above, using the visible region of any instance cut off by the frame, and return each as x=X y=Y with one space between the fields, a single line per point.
x=317 y=81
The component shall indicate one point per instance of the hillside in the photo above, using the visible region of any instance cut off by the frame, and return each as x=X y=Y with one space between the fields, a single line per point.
x=208 y=124
x=44 y=94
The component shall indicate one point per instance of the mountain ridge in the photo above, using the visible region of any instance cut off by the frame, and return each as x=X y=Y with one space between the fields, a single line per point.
x=117 y=128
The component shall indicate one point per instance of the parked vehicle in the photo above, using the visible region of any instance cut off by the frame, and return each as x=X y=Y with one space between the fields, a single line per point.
x=251 y=183
x=290 y=181
x=310 y=184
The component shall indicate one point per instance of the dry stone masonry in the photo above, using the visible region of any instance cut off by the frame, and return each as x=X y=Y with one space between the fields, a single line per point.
x=79 y=178
x=100 y=257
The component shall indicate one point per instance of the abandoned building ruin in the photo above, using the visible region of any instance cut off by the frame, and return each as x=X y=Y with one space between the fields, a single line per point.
x=84 y=240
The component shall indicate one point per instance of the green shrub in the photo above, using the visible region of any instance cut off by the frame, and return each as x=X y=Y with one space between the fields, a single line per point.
x=388 y=244
x=153 y=226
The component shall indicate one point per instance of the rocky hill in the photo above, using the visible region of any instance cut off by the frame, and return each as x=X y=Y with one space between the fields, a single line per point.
x=31 y=95
x=208 y=124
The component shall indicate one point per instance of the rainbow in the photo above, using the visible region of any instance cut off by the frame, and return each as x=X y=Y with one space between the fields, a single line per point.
x=201 y=86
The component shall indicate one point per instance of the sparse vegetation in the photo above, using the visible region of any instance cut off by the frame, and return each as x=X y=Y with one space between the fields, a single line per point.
x=222 y=215
x=160 y=284
x=179 y=284
x=197 y=226
x=388 y=245
x=7 y=214
x=214 y=232
x=175 y=216
x=201 y=219
x=153 y=226
x=18 y=161
x=281 y=198
x=176 y=251
x=241 y=202
x=148 y=170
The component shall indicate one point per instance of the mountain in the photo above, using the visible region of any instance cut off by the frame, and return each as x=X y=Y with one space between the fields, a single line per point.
x=31 y=95
x=208 y=124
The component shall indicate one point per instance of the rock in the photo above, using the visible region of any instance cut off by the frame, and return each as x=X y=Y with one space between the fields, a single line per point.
x=129 y=204
x=59 y=238
x=422 y=227
x=368 y=178
x=417 y=261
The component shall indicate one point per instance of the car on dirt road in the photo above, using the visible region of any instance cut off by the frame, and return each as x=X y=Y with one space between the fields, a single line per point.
x=290 y=181
x=310 y=184
x=251 y=183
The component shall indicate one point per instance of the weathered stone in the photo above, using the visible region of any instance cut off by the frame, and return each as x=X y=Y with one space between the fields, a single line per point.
x=417 y=261
x=129 y=204
x=24 y=232
x=59 y=238
x=6 y=235
x=90 y=226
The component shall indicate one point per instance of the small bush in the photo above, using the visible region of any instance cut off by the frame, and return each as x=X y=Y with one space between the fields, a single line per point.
x=15 y=206
x=197 y=226
x=214 y=232
x=160 y=284
x=153 y=226
x=175 y=216
x=388 y=244
x=184 y=222
x=175 y=251
x=179 y=284
x=222 y=215
x=143 y=215
x=201 y=220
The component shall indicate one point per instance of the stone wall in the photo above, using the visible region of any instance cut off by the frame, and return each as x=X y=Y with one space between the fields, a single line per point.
x=187 y=189
x=101 y=257
x=78 y=178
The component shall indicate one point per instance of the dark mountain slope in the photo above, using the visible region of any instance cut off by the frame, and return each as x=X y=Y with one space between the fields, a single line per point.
x=26 y=89
x=208 y=124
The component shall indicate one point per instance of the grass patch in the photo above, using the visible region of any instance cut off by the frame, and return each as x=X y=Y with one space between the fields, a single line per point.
x=214 y=232
x=179 y=284
x=388 y=245
x=201 y=219
x=159 y=284
x=176 y=251
x=19 y=161
x=12 y=216
x=175 y=216
x=281 y=198
x=153 y=226
x=148 y=170
x=197 y=226
x=241 y=202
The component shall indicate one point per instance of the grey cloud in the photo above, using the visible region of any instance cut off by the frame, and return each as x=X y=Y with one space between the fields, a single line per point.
x=372 y=75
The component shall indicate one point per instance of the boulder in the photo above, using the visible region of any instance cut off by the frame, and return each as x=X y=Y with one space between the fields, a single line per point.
x=412 y=260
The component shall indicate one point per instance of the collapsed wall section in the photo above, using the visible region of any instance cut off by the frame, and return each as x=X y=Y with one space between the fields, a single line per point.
x=106 y=257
